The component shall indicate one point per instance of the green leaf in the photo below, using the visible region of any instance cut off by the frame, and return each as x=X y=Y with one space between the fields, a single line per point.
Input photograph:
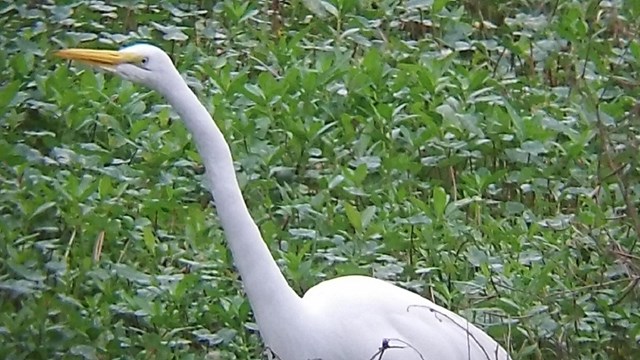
x=255 y=93
x=131 y=274
x=477 y=257
x=368 y=214
x=149 y=240
x=634 y=47
x=330 y=8
x=373 y=64
x=440 y=200
x=316 y=7
x=105 y=187
x=438 y=5
x=354 y=216
x=413 y=4
x=42 y=208
x=85 y=351
x=25 y=272
x=8 y=93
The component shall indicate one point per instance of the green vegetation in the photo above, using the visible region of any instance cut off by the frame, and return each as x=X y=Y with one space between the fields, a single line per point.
x=483 y=154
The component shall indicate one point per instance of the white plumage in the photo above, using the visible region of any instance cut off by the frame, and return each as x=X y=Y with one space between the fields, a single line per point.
x=347 y=318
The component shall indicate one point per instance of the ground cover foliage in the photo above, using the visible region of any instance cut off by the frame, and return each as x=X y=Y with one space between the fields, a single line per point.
x=482 y=154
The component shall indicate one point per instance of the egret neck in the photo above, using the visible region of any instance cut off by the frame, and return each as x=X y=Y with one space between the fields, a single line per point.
x=271 y=297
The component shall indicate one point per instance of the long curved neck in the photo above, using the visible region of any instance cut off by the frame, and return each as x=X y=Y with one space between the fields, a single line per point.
x=270 y=295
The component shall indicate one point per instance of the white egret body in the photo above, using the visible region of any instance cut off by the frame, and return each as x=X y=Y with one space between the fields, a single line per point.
x=348 y=318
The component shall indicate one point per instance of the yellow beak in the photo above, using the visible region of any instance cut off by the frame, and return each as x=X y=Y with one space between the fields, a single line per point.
x=106 y=59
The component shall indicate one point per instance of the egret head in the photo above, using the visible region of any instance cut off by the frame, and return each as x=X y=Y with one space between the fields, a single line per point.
x=141 y=63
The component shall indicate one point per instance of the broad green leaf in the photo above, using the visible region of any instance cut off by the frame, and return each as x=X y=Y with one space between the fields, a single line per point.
x=329 y=8
x=149 y=240
x=367 y=215
x=316 y=7
x=42 y=208
x=440 y=200
x=438 y=5
x=354 y=216
x=8 y=93
x=256 y=92
x=130 y=274
x=85 y=351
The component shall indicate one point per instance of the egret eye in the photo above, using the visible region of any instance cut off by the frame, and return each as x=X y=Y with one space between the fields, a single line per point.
x=144 y=61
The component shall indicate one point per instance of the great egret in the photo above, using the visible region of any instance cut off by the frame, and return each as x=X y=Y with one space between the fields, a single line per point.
x=347 y=318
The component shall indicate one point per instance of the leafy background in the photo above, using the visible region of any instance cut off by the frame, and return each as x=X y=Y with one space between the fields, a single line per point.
x=482 y=154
